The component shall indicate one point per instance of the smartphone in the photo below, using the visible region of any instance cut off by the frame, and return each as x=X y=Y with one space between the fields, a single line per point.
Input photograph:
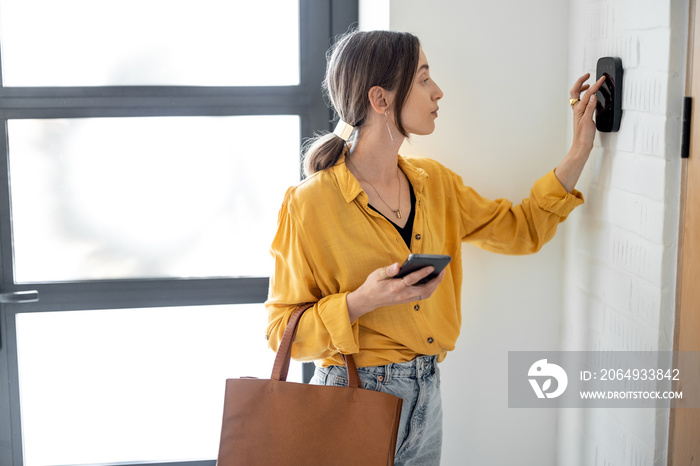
x=608 y=112
x=418 y=261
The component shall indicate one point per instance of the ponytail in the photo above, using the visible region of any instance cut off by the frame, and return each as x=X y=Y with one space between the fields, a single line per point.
x=321 y=152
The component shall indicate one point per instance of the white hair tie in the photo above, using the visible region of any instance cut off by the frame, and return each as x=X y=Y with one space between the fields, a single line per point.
x=343 y=130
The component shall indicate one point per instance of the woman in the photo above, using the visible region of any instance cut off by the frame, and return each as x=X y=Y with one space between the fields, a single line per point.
x=363 y=208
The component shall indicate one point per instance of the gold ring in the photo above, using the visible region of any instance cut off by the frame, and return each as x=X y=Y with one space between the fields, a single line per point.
x=572 y=102
x=383 y=274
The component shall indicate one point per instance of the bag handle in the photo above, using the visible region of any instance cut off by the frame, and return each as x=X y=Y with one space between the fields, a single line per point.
x=284 y=353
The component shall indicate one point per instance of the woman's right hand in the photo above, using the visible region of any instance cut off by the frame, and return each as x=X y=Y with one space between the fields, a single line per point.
x=381 y=289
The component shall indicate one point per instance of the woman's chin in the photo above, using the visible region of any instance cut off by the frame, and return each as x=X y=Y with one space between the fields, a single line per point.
x=424 y=131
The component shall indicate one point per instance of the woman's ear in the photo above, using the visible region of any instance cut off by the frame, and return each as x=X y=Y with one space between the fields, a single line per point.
x=380 y=99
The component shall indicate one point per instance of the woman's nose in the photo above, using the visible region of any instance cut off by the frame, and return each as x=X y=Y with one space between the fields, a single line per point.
x=438 y=94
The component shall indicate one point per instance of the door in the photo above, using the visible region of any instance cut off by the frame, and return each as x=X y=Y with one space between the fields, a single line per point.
x=684 y=450
x=145 y=148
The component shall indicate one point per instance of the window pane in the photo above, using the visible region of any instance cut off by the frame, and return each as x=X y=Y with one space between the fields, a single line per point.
x=148 y=197
x=134 y=385
x=174 y=42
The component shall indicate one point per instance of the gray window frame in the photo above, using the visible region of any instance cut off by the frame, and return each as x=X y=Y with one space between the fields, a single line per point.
x=320 y=22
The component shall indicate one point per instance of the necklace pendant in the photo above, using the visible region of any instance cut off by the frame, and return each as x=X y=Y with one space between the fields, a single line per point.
x=398 y=213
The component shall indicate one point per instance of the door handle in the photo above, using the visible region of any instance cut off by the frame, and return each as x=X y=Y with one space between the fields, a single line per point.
x=19 y=297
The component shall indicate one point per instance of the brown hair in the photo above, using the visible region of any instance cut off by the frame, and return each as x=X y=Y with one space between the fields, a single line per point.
x=358 y=61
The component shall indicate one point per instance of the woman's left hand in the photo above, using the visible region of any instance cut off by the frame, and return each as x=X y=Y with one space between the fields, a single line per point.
x=584 y=126
x=569 y=170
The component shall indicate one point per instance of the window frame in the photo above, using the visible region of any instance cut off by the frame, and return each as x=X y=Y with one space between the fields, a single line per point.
x=320 y=22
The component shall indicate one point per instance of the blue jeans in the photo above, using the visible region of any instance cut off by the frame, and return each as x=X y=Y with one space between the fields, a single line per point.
x=417 y=382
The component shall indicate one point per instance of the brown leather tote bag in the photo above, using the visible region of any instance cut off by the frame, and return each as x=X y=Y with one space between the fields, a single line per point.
x=275 y=422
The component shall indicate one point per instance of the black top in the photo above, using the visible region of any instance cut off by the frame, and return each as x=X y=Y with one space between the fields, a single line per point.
x=407 y=230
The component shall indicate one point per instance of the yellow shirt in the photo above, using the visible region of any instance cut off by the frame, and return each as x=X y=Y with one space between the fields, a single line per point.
x=329 y=239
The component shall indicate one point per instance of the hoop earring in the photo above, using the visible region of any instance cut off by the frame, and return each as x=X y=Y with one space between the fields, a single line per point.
x=386 y=120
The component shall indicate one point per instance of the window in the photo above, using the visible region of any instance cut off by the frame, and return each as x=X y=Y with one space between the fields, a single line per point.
x=146 y=148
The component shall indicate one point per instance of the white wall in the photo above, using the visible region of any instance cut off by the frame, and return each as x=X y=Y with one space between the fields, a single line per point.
x=607 y=280
x=621 y=248
x=503 y=124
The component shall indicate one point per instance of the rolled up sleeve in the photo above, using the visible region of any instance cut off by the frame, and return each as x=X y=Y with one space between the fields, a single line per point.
x=502 y=227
